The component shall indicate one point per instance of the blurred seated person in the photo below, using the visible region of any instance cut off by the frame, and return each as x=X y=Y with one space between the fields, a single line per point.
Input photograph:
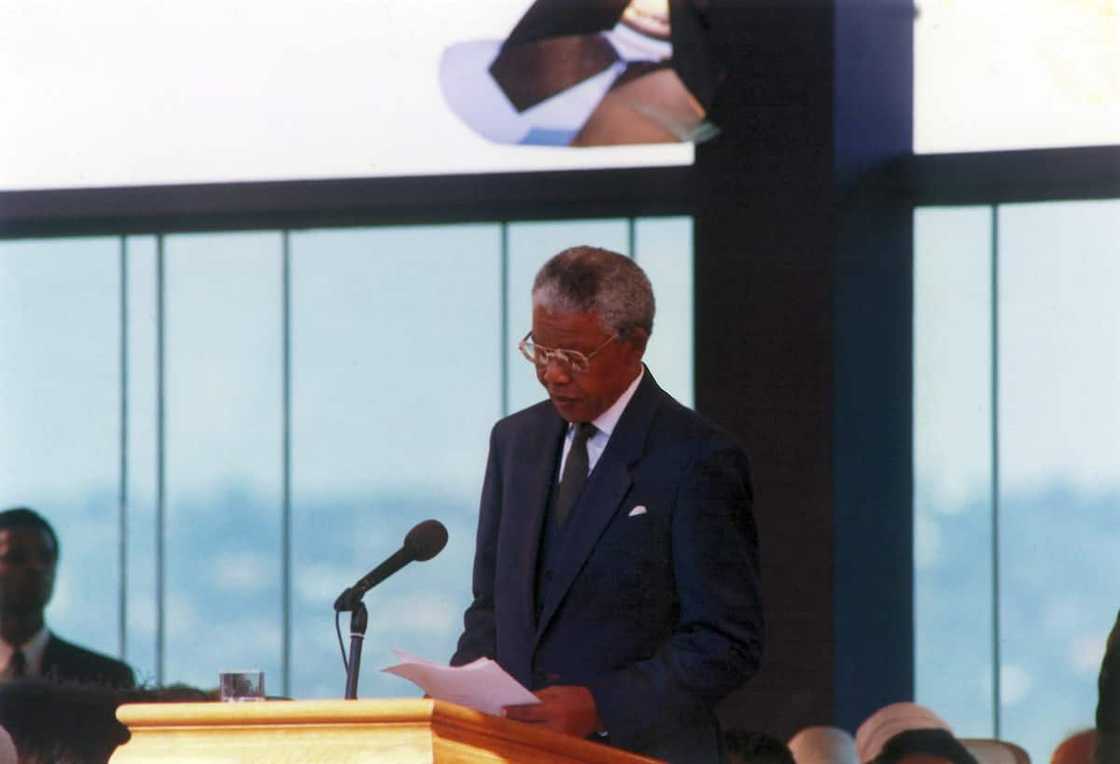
x=823 y=745
x=1078 y=748
x=1108 y=702
x=755 y=748
x=29 y=552
x=52 y=723
x=69 y=723
x=907 y=733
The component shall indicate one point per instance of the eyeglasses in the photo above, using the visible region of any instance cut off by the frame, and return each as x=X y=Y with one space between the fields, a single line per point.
x=570 y=360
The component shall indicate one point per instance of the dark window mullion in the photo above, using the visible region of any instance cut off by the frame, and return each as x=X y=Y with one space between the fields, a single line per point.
x=994 y=403
x=286 y=417
x=160 y=459
x=503 y=332
x=122 y=506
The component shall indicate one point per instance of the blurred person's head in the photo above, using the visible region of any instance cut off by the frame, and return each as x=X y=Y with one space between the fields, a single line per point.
x=25 y=517
x=1078 y=748
x=924 y=746
x=744 y=747
x=28 y=558
x=909 y=733
x=823 y=745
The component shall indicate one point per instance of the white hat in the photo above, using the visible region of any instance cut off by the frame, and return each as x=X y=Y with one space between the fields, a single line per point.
x=823 y=745
x=889 y=721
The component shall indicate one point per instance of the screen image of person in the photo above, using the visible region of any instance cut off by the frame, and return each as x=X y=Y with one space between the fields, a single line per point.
x=616 y=566
x=599 y=73
x=29 y=552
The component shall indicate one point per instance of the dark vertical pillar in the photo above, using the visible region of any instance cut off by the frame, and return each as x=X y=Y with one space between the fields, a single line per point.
x=797 y=286
x=873 y=361
x=764 y=233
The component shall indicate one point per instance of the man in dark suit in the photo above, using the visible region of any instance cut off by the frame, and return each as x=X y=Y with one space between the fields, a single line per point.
x=616 y=570
x=28 y=559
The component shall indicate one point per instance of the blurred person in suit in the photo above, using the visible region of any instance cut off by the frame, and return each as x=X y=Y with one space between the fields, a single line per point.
x=616 y=567
x=821 y=744
x=29 y=552
x=745 y=747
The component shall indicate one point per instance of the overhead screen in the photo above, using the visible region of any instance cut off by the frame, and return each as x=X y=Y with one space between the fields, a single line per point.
x=131 y=92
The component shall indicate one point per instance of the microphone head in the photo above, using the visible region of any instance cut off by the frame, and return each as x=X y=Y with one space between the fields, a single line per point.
x=426 y=540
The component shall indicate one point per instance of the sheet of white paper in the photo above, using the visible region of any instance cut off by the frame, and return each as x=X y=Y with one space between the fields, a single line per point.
x=482 y=684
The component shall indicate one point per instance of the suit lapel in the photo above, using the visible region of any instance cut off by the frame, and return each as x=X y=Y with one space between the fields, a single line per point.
x=531 y=485
x=52 y=655
x=605 y=489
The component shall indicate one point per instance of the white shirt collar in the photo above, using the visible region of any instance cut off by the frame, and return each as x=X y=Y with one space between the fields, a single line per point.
x=33 y=650
x=608 y=420
x=604 y=426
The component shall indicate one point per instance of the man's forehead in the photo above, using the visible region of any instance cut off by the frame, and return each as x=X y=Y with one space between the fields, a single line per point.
x=26 y=535
x=573 y=324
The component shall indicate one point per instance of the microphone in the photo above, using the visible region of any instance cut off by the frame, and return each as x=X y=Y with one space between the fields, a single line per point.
x=423 y=542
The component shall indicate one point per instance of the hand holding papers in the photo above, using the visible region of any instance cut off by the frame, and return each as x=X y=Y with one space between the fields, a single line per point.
x=482 y=684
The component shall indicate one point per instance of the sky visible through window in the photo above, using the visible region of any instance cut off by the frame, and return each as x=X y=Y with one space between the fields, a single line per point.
x=1042 y=450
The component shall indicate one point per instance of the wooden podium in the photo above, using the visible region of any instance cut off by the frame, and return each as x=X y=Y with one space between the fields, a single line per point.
x=342 y=732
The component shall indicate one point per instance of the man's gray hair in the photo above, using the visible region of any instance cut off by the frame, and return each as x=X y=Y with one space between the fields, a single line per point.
x=591 y=280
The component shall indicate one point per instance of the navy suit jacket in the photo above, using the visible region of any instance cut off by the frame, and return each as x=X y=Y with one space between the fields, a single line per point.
x=67 y=662
x=658 y=613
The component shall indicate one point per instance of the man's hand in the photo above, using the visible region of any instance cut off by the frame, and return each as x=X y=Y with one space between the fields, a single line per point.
x=565 y=708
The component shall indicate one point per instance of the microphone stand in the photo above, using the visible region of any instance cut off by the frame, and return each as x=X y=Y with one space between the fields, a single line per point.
x=359 y=618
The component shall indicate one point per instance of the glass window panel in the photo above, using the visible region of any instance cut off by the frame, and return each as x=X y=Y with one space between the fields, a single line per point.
x=1059 y=462
x=664 y=251
x=382 y=320
x=60 y=417
x=530 y=246
x=1008 y=74
x=952 y=466
x=140 y=645
x=396 y=374
x=223 y=455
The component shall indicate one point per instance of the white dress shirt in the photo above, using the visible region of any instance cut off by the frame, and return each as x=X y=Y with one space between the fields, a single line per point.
x=604 y=426
x=32 y=652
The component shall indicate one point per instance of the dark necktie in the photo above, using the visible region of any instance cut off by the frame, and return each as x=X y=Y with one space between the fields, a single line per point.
x=17 y=664
x=575 y=473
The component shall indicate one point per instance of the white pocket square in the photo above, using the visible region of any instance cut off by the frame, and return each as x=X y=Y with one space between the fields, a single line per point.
x=638 y=510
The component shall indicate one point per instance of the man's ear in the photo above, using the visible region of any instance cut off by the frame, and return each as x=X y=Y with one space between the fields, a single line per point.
x=638 y=338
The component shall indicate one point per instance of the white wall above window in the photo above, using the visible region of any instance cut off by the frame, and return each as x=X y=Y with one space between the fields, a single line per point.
x=992 y=75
